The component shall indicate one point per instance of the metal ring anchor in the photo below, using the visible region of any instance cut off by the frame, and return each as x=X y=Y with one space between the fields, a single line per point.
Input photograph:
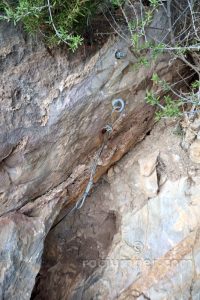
x=120 y=54
x=108 y=128
x=118 y=105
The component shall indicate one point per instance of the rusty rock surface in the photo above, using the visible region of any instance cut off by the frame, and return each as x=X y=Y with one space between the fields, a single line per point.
x=125 y=244
x=53 y=108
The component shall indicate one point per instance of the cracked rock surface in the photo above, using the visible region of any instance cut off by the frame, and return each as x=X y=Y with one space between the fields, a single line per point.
x=127 y=243
x=53 y=108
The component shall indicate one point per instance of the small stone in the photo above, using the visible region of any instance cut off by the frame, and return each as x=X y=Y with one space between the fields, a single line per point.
x=198 y=136
x=148 y=164
x=79 y=233
x=190 y=136
x=117 y=170
x=110 y=173
x=196 y=124
x=192 y=171
x=150 y=184
x=163 y=179
x=185 y=145
x=195 y=152
x=195 y=200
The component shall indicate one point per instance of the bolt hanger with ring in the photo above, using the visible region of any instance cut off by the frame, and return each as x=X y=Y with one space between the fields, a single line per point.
x=118 y=105
x=120 y=54
x=108 y=128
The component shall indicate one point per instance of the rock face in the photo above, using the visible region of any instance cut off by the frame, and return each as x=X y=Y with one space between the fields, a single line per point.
x=53 y=109
x=195 y=152
x=21 y=247
x=128 y=243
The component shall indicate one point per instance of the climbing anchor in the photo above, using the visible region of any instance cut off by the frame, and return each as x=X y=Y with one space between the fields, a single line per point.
x=118 y=105
x=120 y=54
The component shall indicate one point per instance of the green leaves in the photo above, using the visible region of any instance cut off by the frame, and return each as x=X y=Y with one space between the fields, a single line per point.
x=169 y=108
x=154 y=3
x=59 y=21
x=155 y=78
x=151 y=98
x=117 y=2
x=196 y=84
x=135 y=40
x=157 y=50
x=162 y=83
x=74 y=42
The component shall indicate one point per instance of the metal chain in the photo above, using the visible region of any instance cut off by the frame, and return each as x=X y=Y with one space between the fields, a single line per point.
x=118 y=106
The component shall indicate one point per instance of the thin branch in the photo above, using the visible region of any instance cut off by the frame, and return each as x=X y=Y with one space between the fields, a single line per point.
x=54 y=27
x=170 y=21
x=116 y=30
x=193 y=22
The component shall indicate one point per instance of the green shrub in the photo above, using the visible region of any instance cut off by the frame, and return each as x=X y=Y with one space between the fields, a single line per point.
x=59 y=21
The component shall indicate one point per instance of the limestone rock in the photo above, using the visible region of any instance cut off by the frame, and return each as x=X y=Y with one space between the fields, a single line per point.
x=111 y=173
x=195 y=152
x=149 y=181
x=196 y=124
x=148 y=164
x=122 y=244
x=4 y=181
x=191 y=129
x=189 y=137
x=22 y=237
x=53 y=109
x=17 y=277
x=150 y=184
